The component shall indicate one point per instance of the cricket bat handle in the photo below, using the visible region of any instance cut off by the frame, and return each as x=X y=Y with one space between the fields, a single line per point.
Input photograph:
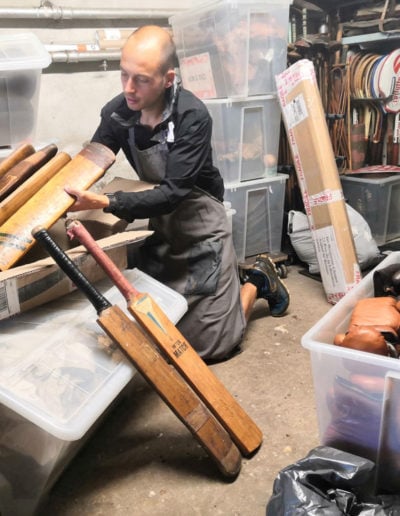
x=76 y=229
x=99 y=302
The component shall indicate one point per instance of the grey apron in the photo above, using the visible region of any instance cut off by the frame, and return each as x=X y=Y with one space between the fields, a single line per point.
x=191 y=251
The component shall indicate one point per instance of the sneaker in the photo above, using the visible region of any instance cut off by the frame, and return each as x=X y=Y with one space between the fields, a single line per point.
x=273 y=289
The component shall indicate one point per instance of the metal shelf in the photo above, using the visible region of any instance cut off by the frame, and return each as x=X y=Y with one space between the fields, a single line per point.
x=374 y=37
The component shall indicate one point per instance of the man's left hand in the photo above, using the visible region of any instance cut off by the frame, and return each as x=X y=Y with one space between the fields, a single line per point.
x=86 y=200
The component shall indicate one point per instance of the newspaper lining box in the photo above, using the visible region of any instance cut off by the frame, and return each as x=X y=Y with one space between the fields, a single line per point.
x=318 y=178
x=231 y=48
x=357 y=393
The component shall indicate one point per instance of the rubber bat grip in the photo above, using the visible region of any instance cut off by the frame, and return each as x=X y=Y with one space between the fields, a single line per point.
x=99 y=302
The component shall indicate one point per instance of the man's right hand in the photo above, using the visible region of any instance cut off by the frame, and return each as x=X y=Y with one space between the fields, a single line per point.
x=86 y=200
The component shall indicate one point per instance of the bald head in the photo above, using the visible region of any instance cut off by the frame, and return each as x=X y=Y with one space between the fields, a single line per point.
x=152 y=42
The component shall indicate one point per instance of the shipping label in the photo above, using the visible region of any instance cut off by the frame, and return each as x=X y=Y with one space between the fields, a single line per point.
x=9 y=303
x=197 y=75
x=295 y=111
x=329 y=260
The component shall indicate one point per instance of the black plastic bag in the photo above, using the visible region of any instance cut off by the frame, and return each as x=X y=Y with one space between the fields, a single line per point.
x=329 y=482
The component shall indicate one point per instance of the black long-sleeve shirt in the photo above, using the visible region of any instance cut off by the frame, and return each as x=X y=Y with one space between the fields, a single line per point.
x=189 y=161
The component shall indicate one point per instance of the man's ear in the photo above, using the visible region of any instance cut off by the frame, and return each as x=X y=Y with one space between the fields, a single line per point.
x=169 y=78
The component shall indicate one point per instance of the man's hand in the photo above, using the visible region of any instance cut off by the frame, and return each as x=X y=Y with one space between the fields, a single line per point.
x=86 y=200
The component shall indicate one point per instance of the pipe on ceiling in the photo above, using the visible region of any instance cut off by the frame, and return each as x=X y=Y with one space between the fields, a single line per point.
x=73 y=56
x=54 y=12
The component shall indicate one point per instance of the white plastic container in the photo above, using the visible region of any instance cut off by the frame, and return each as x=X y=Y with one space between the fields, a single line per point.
x=230 y=212
x=352 y=417
x=56 y=382
x=22 y=58
x=230 y=48
x=257 y=224
x=377 y=199
x=245 y=137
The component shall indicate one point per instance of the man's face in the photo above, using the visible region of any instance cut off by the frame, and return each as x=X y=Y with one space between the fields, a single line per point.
x=142 y=80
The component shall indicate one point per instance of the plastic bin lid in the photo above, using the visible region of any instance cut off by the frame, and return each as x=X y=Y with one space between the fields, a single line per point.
x=22 y=52
x=54 y=371
x=206 y=5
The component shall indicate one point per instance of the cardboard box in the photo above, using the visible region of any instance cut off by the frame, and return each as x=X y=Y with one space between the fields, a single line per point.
x=318 y=178
x=33 y=284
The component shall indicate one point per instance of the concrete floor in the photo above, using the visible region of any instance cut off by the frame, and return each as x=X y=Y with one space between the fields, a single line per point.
x=143 y=461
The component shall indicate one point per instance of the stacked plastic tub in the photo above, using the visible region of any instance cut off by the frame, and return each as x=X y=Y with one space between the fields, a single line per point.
x=22 y=58
x=58 y=380
x=229 y=53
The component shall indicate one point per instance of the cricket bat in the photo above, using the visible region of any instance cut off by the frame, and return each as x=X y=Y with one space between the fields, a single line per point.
x=243 y=430
x=24 y=169
x=18 y=154
x=51 y=201
x=30 y=186
x=172 y=388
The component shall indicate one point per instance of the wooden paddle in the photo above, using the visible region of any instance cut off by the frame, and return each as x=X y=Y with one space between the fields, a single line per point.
x=24 y=169
x=20 y=196
x=49 y=203
x=155 y=369
x=18 y=154
x=245 y=433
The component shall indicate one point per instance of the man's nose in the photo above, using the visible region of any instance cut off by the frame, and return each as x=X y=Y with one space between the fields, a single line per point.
x=130 y=85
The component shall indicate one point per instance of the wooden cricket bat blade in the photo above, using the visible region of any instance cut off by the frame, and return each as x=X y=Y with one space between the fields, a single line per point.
x=182 y=400
x=18 y=154
x=173 y=390
x=243 y=430
x=51 y=201
x=20 y=196
x=24 y=169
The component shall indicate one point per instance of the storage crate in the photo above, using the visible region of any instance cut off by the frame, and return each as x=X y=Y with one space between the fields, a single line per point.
x=232 y=48
x=357 y=392
x=377 y=198
x=245 y=137
x=257 y=223
x=56 y=380
x=22 y=58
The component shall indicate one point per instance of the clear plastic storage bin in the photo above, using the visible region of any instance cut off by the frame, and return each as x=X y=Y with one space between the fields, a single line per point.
x=57 y=379
x=257 y=224
x=377 y=199
x=22 y=58
x=245 y=137
x=357 y=393
x=232 y=48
